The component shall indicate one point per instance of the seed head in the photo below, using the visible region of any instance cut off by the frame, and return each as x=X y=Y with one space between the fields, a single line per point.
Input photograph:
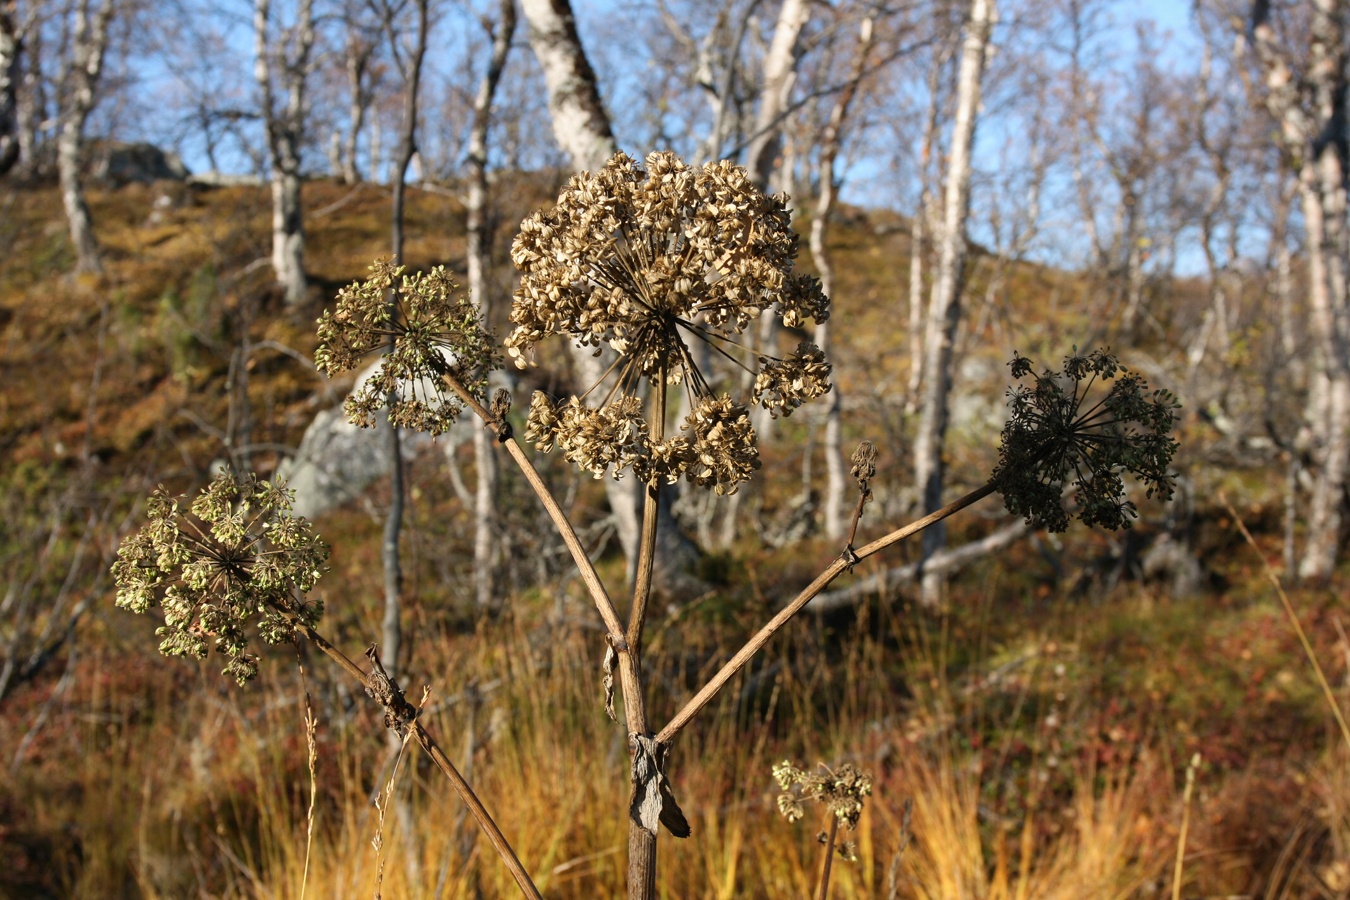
x=427 y=329
x=841 y=792
x=646 y=261
x=236 y=553
x=1053 y=437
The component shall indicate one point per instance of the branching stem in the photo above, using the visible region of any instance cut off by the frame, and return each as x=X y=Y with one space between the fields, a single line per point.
x=428 y=744
x=823 y=580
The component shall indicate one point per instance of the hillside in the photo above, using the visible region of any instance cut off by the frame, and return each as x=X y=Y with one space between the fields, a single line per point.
x=1041 y=722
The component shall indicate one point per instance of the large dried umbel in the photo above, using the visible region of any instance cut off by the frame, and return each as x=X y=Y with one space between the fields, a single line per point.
x=236 y=553
x=427 y=328
x=841 y=791
x=646 y=262
x=1056 y=437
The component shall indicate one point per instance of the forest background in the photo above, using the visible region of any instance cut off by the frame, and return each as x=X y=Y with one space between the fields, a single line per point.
x=1090 y=714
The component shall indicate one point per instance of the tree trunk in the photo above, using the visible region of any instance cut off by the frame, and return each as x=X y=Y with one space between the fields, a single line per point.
x=89 y=42
x=10 y=48
x=836 y=480
x=1311 y=114
x=944 y=310
x=288 y=235
x=407 y=139
x=780 y=72
x=581 y=127
x=580 y=123
x=479 y=245
x=285 y=135
x=358 y=59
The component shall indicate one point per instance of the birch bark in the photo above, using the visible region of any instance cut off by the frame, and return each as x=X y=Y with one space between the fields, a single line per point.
x=836 y=480
x=285 y=134
x=479 y=245
x=780 y=73
x=944 y=308
x=1310 y=110
x=79 y=82
x=10 y=49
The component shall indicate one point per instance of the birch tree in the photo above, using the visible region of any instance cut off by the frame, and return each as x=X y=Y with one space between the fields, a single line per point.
x=285 y=60
x=836 y=477
x=1305 y=82
x=944 y=308
x=780 y=73
x=407 y=48
x=76 y=98
x=358 y=54
x=11 y=46
x=479 y=245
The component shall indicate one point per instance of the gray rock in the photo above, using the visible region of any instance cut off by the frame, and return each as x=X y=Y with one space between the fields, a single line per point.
x=118 y=164
x=337 y=461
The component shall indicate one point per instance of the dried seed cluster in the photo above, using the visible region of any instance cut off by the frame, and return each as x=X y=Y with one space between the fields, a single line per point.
x=646 y=261
x=1054 y=437
x=841 y=792
x=236 y=553
x=427 y=329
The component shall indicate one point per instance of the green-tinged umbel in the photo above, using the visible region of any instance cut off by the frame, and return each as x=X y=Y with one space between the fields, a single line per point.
x=426 y=327
x=652 y=262
x=1057 y=434
x=235 y=555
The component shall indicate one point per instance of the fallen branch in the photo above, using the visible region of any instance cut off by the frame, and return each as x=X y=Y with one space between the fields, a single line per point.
x=941 y=563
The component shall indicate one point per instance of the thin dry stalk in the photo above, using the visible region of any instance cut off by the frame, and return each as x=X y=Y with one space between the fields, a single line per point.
x=1185 y=825
x=381 y=804
x=1274 y=579
x=312 y=756
x=893 y=870
x=438 y=757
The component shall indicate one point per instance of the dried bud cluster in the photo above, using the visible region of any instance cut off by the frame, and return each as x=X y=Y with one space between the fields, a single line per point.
x=644 y=262
x=427 y=329
x=840 y=792
x=864 y=464
x=235 y=554
x=1054 y=437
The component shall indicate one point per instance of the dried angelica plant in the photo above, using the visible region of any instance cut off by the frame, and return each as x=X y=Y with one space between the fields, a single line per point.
x=841 y=792
x=427 y=329
x=647 y=262
x=235 y=554
x=1057 y=434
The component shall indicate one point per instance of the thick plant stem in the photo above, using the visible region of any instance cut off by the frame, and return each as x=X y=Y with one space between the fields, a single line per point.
x=442 y=762
x=829 y=859
x=823 y=580
x=641 y=842
x=651 y=509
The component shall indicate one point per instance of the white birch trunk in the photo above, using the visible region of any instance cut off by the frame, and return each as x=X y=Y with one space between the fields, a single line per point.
x=836 y=478
x=357 y=63
x=780 y=72
x=479 y=244
x=581 y=127
x=919 y=232
x=944 y=309
x=1316 y=137
x=89 y=42
x=10 y=48
x=285 y=133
